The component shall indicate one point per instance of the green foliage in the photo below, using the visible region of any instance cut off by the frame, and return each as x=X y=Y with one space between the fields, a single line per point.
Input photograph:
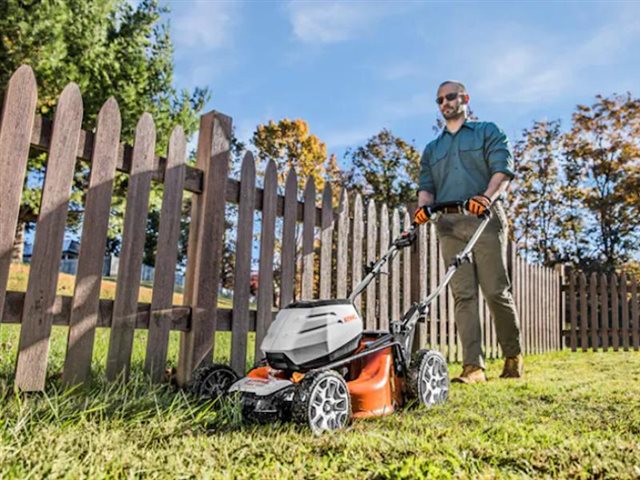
x=385 y=169
x=575 y=196
x=109 y=48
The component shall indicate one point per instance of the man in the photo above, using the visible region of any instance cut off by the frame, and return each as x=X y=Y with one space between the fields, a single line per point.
x=472 y=162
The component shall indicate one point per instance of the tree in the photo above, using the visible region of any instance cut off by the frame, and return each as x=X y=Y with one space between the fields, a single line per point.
x=385 y=169
x=537 y=213
x=602 y=159
x=109 y=48
x=290 y=145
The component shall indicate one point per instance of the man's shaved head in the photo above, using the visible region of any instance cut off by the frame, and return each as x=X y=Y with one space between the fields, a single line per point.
x=460 y=86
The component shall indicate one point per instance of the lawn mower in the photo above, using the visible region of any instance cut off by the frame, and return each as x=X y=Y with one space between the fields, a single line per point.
x=322 y=368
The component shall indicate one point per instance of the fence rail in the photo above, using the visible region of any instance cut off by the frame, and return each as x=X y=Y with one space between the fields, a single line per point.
x=323 y=248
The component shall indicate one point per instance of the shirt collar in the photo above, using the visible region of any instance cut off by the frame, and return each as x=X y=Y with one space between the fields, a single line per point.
x=467 y=123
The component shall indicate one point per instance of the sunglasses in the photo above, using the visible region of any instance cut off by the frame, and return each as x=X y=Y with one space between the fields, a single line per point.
x=449 y=96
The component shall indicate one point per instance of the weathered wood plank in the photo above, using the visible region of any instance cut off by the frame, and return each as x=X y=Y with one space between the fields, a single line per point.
x=615 y=319
x=288 y=254
x=47 y=249
x=326 y=245
x=308 y=236
x=356 y=248
x=133 y=235
x=395 y=269
x=62 y=306
x=242 y=273
x=419 y=282
x=15 y=128
x=573 y=312
x=593 y=298
x=438 y=332
x=342 y=253
x=604 y=312
x=635 y=314
x=206 y=240
x=383 y=282
x=584 y=341
x=167 y=256
x=267 y=248
x=84 y=312
x=372 y=241
x=624 y=305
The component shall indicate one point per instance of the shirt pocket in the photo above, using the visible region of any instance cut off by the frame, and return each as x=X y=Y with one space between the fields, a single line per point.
x=472 y=153
x=439 y=153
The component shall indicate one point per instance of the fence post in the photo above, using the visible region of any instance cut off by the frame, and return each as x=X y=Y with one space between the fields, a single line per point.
x=205 y=244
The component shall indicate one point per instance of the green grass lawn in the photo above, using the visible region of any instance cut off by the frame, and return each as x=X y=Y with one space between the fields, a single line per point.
x=576 y=415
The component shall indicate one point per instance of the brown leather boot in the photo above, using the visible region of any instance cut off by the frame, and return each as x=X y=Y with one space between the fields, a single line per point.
x=471 y=374
x=513 y=367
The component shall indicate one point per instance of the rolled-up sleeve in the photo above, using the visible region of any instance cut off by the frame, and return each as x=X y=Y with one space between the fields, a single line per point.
x=498 y=151
x=425 y=181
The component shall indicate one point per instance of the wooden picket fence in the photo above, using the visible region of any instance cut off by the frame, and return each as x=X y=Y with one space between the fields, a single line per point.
x=336 y=242
x=603 y=312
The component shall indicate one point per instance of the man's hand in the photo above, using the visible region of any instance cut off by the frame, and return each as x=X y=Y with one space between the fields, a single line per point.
x=420 y=216
x=478 y=205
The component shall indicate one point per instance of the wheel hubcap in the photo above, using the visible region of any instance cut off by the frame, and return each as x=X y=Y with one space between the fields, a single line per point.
x=329 y=405
x=434 y=381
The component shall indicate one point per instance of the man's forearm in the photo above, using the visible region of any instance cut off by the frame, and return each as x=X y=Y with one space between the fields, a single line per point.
x=497 y=184
x=425 y=198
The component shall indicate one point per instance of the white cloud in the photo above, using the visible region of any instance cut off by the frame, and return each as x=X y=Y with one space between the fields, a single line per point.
x=526 y=71
x=338 y=139
x=324 y=23
x=202 y=24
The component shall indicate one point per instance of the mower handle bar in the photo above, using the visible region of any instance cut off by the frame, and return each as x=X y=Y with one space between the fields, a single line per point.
x=374 y=269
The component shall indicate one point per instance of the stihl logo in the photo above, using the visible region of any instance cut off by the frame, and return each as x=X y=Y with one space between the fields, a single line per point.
x=350 y=318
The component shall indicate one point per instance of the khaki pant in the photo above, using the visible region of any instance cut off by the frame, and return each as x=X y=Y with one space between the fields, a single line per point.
x=489 y=270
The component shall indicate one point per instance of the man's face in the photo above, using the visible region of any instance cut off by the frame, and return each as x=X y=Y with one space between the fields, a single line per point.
x=451 y=109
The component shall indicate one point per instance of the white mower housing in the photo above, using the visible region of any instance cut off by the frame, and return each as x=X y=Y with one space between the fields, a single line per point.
x=309 y=334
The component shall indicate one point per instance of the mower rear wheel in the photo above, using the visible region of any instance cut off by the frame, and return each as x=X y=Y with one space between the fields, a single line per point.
x=322 y=401
x=213 y=381
x=428 y=378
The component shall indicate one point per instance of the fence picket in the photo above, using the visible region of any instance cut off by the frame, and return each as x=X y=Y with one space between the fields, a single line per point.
x=437 y=331
x=18 y=113
x=86 y=295
x=395 y=269
x=167 y=257
x=267 y=247
x=604 y=311
x=133 y=235
x=342 y=248
x=635 y=314
x=242 y=273
x=288 y=254
x=356 y=248
x=573 y=312
x=593 y=297
x=383 y=295
x=47 y=249
x=308 y=235
x=624 y=304
x=206 y=239
x=584 y=340
x=372 y=241
x=615 y=319
x=326 y=238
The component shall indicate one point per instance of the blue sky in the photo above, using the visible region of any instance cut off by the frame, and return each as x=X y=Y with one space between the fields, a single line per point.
x=352 y=68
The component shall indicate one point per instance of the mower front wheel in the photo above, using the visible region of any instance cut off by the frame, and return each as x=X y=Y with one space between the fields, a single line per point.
x=322 y=401
x=428 y=378
x=212 y=381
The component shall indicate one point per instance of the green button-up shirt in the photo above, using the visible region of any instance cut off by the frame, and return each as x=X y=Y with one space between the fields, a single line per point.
x=457 y=166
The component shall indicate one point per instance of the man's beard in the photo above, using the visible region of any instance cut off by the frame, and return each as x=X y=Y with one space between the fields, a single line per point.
x=454 y=114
